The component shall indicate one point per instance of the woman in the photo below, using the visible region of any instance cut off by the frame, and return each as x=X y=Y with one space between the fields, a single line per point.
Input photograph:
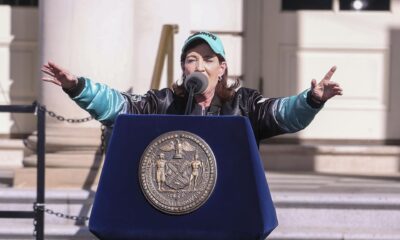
x=202 y=52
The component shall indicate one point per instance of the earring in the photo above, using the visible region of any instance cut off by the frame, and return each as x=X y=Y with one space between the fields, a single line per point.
x=219 y=78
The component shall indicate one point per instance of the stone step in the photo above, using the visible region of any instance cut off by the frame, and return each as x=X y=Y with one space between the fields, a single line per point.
x=66 y=202
x=67 y=159
x=24 y=231
x=324 y=211
x=309 y=206
x=68 y=138
x=326 y=206
x=71 y=178
x=6 y=177
x=62 y=143
x=341 y=159
x=72 y=159
x=72 y=130
x=11 y=153
x=313 y=233
x=71 y=202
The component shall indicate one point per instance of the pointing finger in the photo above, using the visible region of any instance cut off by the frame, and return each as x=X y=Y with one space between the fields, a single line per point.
x=329 y=74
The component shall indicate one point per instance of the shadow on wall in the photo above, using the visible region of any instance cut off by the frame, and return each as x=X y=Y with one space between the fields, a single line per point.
x=23 y=67
x=393 y=114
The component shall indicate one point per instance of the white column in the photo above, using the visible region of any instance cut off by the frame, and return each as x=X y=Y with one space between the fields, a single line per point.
x=93 y=38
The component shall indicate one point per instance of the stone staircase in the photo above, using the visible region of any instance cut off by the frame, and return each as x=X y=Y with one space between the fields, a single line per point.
x=73 y=158
x=320 y=191
x=74 y=151
x=335 y=207
x=71 y=202
x=309 y=206
x=349 y=191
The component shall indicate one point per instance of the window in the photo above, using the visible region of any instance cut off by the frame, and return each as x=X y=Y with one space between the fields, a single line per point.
x=344 y=5
x=293 y=5
x=33 y=3
x=365 y=5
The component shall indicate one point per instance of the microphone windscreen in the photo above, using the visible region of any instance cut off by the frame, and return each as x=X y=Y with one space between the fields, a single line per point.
x=197 y=81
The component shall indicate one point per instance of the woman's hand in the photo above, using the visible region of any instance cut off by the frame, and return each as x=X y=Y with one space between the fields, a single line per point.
x=59 y=76
x=326 y=88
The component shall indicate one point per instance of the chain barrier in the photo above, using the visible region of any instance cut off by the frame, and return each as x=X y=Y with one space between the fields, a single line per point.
x=36 y=207
x=49 y=211
x=72 y=121
x=41 y=207
x=103 y=139
x=63 y=119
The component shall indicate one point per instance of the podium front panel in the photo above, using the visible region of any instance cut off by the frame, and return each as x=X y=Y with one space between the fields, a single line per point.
x=240 y=206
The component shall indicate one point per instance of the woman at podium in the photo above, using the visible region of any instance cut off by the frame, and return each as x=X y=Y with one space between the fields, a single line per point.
x=202 y=53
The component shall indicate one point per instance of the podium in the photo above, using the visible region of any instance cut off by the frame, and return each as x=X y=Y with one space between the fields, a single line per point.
x=238 y=206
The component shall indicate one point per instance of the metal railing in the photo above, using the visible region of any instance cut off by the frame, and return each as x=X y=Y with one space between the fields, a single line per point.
x=165 y=49
x=36 y=214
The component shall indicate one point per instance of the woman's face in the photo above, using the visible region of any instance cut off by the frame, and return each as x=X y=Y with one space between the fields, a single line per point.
x=201 y=58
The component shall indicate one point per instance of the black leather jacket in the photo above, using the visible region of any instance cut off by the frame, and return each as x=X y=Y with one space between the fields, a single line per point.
x=268 y=116
x=246 y=102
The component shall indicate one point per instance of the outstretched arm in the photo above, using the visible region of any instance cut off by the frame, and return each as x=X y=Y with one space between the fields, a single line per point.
x=326 y=88
x=296 y=112
x=59 y=76
x=101 y=101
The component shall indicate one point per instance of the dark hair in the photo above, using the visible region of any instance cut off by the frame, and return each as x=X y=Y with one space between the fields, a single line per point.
x=223 y=91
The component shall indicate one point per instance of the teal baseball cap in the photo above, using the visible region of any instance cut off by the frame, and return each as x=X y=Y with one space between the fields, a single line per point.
x=212 y=40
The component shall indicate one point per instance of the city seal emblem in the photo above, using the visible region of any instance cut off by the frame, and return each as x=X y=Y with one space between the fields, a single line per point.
x=177 y=172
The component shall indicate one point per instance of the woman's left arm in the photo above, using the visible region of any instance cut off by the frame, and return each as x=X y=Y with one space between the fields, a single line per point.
x=296 y=112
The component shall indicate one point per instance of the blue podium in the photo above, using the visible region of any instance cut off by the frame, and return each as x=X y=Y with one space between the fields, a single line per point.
x=239 y=206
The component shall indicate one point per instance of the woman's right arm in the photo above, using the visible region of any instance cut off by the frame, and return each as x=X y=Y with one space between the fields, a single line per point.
x=101 y=101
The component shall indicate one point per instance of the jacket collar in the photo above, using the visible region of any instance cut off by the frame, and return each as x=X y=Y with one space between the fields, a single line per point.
x=215 y=106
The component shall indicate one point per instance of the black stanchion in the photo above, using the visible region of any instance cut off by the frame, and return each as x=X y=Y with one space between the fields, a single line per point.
x=37 y=214
x=40 y=172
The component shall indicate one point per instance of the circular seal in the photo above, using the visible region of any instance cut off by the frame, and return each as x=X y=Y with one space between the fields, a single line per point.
x=177 y=172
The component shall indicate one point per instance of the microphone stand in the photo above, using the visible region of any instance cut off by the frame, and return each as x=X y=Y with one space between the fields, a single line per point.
x=190 y=100
x=195 y=83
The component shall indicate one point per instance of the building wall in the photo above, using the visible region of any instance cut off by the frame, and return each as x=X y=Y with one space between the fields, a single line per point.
x=18 y=65
x=282 y=52
x=119 y=51
x=296 y=46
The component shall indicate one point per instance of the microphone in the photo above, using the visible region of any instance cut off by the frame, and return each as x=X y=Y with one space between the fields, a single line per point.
x=196 y=81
